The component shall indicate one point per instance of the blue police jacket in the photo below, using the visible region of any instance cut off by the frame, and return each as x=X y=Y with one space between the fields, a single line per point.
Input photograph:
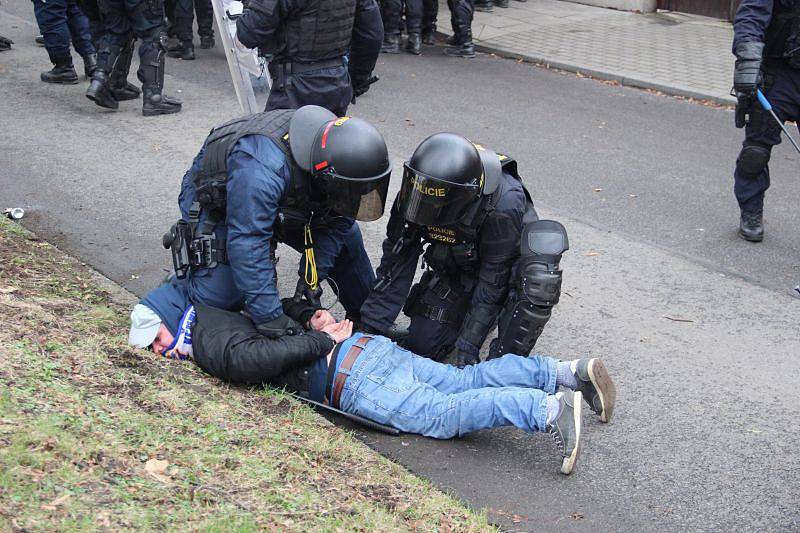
x=258 y=177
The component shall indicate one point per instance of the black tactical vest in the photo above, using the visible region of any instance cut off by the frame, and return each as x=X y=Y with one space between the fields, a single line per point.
x=321 y=30
x=210 y=181
x=782 y=38
x=454 y=249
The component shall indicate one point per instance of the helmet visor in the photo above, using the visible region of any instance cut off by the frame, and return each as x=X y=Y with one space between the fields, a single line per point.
x=428 y=201
x=361 y=199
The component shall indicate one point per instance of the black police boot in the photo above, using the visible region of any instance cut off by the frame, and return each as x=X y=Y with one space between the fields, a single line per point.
x=751 y=226
x=100 y=92
x=89 y=65
x=120 y=87
x=183 y=50
x=501 y=3
x=414 y=44
x=206 y=42
x=428 y=38
x=391 y=44
x=453 y=41
x=151 y=74
x=39 y=40
x=484 y=5
x=464 y=50
x=5 y=43
x=63 y=72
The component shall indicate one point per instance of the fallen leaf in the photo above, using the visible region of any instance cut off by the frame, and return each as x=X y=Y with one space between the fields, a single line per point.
x=157 y=468
x=53 y=505
x=591 y=254
x=7 y=290
x=597 y=189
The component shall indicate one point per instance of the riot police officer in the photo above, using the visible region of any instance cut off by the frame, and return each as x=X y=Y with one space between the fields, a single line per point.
x=308 y=41
x=767 y=47
x=142 y=18
x=489 y=259
x=280 y=176
x=392 y=13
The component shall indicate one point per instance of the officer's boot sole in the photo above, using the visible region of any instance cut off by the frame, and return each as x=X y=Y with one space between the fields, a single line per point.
x=568 y=463
x=60 y=81
x=165 y=110
x=101 y=95
x=750 y=238
x=605 y=388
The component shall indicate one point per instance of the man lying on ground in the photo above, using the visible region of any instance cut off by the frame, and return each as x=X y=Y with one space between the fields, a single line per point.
x=373 y=377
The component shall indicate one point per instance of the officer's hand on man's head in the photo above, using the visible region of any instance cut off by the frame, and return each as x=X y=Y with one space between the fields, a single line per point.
x=321 y=319
x=339 y=331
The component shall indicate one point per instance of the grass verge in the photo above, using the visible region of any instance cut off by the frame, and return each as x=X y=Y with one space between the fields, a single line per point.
x=95 y=435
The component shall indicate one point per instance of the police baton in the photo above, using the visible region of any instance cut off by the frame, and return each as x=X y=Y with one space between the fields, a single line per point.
x=768 y=107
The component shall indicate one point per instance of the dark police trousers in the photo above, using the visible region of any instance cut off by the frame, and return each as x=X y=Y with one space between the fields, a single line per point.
x=183 y=18
x=143 y=17
x=60 y=22
x=393 y=11
x=782 y=88
x=295 y=85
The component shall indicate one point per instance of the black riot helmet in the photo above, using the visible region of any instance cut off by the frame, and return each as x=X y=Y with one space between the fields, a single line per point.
x=441 y=181
x=348 y=155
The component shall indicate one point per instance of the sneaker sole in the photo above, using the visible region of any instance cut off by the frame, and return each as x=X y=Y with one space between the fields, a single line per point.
x=568 y=464
x=605 y=388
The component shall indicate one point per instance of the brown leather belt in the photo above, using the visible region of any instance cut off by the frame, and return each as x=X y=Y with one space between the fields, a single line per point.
x=350 y=358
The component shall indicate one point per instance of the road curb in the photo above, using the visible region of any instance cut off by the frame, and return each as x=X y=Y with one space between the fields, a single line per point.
x=606 y=76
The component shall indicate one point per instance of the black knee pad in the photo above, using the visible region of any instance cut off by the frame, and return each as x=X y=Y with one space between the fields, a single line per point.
x=752 y=161
x=537 y=289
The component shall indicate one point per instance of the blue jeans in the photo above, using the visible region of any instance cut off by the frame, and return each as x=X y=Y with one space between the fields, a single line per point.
x=395 y=387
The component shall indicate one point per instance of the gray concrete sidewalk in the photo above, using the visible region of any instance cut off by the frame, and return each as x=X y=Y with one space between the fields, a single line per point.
x=675 y=53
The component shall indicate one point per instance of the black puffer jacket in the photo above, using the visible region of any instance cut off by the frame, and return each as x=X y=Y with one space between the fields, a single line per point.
x=227 y=345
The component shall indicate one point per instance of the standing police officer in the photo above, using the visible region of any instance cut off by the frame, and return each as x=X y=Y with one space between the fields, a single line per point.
x=143 y=19
x=308 y=41
x=766 y=43
x=489 y=258
x=298 y=177
x=62 y=22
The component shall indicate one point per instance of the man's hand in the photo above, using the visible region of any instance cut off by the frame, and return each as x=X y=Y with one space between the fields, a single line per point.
x=321 y=319
x=339 y=331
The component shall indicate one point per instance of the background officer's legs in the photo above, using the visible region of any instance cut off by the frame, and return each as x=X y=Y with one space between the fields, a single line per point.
x=751 y=177
x=183 y=19
x=537 y=289
x=353 y=274
x=146 y=18
x=60 y=22
x=392 y=10
x=437 y=308
x=205 y=22
x=414 y=11
x=461 y=18
x=430 y=10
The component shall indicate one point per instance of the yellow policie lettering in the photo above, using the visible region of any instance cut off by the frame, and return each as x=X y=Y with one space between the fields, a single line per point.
x=442 y=234
x=429 y=191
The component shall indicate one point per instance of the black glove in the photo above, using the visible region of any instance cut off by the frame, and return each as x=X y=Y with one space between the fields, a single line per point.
x=361 y=84
x=313 y=297
x=5 y=43
x=746 y=79
x=301 y=311
x=279 y=327
x=462 y=358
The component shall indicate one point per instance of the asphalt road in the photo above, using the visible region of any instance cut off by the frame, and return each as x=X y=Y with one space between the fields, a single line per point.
x=705 y=434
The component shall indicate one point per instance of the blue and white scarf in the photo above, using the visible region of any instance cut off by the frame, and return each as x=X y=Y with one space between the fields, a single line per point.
x=181 y=347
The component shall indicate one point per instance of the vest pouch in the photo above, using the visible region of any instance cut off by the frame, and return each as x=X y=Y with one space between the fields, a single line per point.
x=465 y=256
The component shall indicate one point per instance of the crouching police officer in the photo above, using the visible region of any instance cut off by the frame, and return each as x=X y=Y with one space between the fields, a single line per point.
x=489 y=258
x=298 y=177
x=766 y=43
